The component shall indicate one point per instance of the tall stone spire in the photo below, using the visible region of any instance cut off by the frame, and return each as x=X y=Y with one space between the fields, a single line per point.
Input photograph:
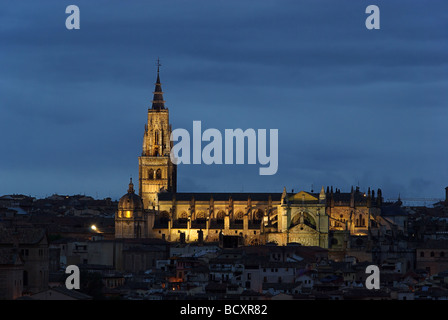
x=157 y=102
x=156 y=170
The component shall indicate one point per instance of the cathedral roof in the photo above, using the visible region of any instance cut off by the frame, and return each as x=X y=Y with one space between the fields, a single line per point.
x=219 y=196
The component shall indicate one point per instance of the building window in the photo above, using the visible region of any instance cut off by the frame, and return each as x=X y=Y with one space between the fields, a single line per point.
x=201 y=215
x=156 y=138
x=422 y=254
x=220 y=217
x=159 y=174
x=239 y=217
x=183 y=217
x=442 y=254
x=432 y=253
x=150 y=174
x=258 y=216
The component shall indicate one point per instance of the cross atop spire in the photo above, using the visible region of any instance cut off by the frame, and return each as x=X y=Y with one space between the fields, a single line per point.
x=158 y=64
x=157 y=102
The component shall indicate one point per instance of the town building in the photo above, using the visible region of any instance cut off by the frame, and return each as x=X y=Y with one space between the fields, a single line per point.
x=27 y=250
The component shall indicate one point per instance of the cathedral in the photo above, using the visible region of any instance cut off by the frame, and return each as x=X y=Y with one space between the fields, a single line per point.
x=325 y=219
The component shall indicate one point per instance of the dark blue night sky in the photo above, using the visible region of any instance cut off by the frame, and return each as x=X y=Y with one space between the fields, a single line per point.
x=352 y=106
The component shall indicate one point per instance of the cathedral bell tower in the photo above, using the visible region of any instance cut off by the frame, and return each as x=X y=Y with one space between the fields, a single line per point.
x=157 y=173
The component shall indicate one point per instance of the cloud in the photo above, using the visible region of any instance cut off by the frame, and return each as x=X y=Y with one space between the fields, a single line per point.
x=350 y=104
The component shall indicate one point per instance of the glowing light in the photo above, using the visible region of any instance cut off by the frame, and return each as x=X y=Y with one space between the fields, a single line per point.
x=128 y=214
x=93 y=227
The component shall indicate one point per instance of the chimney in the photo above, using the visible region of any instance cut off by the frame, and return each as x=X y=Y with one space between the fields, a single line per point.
x=446 y=195
x=379 y=198
x=352 y=198
x=369 y=199
x=331 y=198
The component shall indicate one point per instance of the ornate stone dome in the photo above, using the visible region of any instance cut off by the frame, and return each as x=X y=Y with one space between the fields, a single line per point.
x=130 y=201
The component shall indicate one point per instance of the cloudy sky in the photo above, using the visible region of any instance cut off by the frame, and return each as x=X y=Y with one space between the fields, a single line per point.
x=352 y=106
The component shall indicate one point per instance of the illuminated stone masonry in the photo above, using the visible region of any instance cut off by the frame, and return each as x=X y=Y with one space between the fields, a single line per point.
x=321 y=219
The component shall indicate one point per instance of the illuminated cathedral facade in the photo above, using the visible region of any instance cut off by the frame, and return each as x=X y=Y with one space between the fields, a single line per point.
x=325 y=219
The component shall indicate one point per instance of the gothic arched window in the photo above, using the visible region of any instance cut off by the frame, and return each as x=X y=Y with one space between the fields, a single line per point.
x=258 y=215
x=220 y=216
x=150 y=174
x=164 y=216
x=162 y=136
x=159 y=174
x=201 y=216
x=156 y=138
x=361 y=222
x=239 y=217
x=183 y=217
